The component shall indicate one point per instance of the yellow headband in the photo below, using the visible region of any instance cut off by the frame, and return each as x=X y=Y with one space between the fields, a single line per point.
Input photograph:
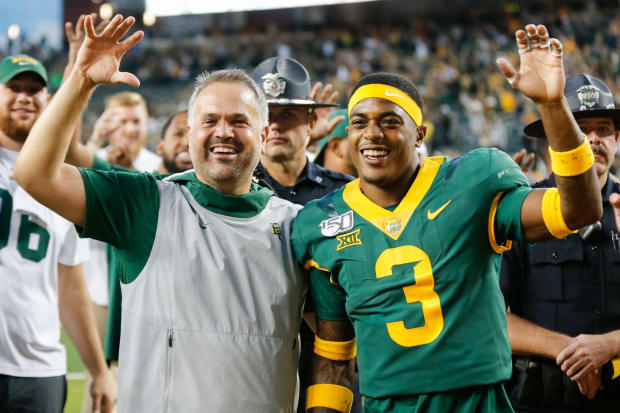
x=377 y=90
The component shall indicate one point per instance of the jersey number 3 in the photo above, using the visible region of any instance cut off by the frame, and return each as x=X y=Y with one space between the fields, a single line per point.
x=26 y=229
x=421 y=292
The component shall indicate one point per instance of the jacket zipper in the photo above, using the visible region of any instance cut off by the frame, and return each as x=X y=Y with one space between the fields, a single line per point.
x=168 y=370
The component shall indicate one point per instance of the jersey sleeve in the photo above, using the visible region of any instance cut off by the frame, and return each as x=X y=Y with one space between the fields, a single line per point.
x=509 y=189
x=121 y=208
x=74 y=250
x=328 y=298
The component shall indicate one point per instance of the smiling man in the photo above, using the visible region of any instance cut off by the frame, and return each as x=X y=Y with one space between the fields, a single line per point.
x=173 y=146
x=404 y=260
x=212 y=297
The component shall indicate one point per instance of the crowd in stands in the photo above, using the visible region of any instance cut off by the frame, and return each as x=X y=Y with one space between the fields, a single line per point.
x=466 y=98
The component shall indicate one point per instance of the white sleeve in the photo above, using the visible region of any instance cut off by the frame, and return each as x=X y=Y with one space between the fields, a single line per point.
x=74 y=250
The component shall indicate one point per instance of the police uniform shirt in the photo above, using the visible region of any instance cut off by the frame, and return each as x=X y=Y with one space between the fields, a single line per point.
x=314 y=182
x=568 y=285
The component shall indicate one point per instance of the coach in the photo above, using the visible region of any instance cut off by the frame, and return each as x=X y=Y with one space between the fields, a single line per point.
x=564 y=319
x=212 y=298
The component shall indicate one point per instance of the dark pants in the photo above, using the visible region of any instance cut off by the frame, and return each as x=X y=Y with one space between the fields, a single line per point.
x=32 y=394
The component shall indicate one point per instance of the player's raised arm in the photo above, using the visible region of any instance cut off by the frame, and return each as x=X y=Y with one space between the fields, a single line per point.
x=577 y=200
x=39 y=168
x=333 y=368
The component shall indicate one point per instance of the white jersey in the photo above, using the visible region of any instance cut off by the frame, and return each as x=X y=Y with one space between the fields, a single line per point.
x=96 y=273
x=33 y=241
x=146 y=161
x=211 y=322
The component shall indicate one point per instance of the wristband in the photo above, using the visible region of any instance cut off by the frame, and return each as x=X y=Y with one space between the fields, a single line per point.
x=552 y=214
x=332 y=396
x=335 y=350
x=573 y=162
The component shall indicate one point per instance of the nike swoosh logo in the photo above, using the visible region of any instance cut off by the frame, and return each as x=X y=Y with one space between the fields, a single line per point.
x=392 y=94
x=432 y=215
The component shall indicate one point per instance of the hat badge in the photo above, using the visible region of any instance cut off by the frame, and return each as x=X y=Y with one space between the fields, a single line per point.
x=588 y=96
x=273 y=84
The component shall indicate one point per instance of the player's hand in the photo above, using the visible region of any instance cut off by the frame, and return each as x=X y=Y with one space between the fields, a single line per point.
x=614 y=200
x=100 y=56
x=323 y=125
x=108 y=122
x=120 y=155
x=75 y=35
x=590 y=383
x=585 y=354
x=103 y=393
x=541 y=71
x=519 y=160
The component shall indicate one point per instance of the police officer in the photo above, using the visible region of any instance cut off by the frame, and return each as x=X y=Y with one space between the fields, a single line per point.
x=564 y=295
x=284 y=166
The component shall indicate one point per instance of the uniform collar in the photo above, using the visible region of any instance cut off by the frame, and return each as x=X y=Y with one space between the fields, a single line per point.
x=240 y=206
x=311 y=172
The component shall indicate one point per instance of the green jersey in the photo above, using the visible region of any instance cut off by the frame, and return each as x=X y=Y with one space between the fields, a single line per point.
x=419 y=281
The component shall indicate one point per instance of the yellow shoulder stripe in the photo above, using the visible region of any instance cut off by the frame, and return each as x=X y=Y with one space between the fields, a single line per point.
x=311 y=263
x=492 y=240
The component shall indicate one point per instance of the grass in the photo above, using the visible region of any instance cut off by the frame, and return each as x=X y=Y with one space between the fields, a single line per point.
x=75 y=388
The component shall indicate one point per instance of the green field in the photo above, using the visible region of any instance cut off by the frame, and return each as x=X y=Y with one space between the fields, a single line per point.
x=75 y=390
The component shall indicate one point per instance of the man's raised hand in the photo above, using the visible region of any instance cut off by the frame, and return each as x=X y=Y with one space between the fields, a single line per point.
x=100 y=55
x=541 y=71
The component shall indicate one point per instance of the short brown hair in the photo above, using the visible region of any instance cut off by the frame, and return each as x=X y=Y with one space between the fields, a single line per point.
x=125 y=99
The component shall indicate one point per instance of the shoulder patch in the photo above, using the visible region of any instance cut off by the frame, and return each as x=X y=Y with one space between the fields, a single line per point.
x=336 y=225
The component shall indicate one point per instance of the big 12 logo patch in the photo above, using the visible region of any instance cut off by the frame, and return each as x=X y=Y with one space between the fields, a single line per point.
x=336 y=225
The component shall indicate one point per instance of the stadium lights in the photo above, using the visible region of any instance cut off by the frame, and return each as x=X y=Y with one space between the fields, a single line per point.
x=13 y=31
x=106 y=11
x=148 y=19
x=179 y=7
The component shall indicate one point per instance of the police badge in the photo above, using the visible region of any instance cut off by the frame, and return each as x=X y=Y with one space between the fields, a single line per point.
x=588 y=96
x=273 y=84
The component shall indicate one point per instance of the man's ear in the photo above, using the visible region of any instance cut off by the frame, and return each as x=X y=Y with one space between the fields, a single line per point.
x=160 y=147
x=189 y=132
x=312 y=118
x=420 y=136
x=263 y=138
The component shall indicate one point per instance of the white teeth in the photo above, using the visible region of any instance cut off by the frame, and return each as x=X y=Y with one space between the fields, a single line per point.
x=220 y=149
x=374 y=152
x=183 y=157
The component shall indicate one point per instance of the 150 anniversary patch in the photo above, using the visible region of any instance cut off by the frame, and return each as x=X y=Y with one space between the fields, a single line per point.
x=336 y=225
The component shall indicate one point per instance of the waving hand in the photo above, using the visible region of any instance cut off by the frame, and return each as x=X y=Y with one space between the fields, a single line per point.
x=100 y=55
x=541 y=72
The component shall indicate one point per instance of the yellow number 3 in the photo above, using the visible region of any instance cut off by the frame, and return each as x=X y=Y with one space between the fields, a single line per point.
x=422 y=291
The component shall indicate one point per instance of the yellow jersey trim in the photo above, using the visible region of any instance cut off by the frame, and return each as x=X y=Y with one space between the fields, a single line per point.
x=331 y=396
x=391 y=223
x=312 y=264
x=492 y=240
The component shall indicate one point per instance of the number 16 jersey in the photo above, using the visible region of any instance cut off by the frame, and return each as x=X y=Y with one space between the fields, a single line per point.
x=419 y=281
